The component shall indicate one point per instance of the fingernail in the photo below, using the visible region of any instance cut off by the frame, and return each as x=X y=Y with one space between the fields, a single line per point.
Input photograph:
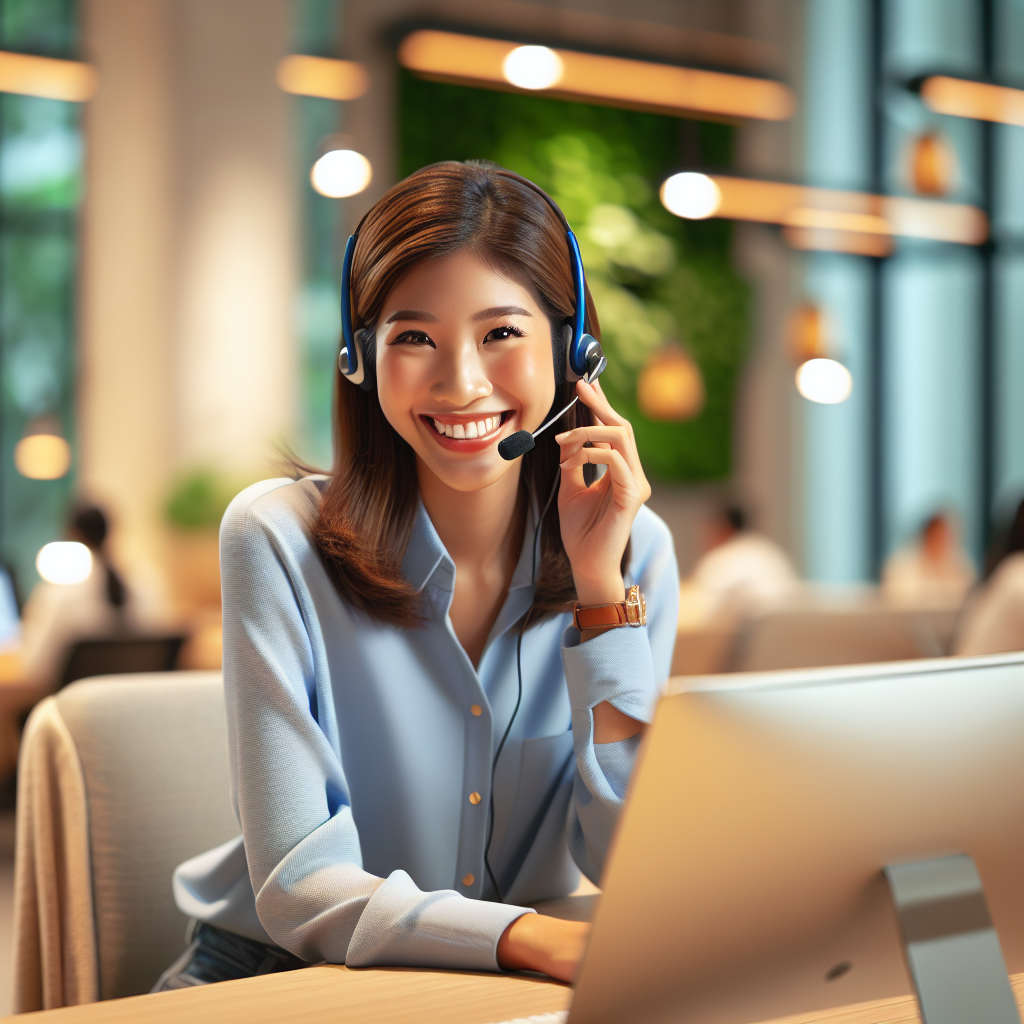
x=558 y=437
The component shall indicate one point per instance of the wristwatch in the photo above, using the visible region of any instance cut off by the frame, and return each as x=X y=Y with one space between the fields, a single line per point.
x=592 y=620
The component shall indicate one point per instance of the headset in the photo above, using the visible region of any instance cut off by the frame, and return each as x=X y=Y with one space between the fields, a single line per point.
x=584 y=359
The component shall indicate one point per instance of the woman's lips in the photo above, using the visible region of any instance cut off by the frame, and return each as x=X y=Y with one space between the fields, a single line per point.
x=467 y=435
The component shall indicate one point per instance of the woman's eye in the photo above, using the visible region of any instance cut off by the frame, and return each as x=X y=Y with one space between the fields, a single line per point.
x=501 y=333
x=413 y=338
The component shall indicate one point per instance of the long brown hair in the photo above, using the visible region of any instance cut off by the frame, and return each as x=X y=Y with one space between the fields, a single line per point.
x=367 y=512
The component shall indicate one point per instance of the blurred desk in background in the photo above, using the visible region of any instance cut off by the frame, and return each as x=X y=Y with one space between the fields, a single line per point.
x=17 y=697
x=815 y=628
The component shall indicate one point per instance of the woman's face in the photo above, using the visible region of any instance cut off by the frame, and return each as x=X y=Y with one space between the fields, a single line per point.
x=463 y=360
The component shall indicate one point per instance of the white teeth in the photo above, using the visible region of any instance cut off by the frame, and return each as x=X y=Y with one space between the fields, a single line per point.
x=468 y=431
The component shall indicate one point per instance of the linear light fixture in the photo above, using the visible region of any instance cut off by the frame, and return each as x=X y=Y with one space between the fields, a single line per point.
x=322 y=77
x=822 y=218
x=615 y=81
x=47 y=77
x=978 y=100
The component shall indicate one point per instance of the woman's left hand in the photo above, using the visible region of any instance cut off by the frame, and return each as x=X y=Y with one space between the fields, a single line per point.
x=596 y=520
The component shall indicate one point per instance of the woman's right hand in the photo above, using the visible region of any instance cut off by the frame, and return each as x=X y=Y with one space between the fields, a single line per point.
x=535 y=942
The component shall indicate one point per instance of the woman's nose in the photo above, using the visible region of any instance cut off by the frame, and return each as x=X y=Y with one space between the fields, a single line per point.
x=462 y=379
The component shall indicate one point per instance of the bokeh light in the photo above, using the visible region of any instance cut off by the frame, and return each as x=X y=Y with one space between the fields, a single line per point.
x=532 y=67
x=670 y=387
x=42 y=456
x=691 y=195
x=825 y=381
x=64 y=562
x=340 y=173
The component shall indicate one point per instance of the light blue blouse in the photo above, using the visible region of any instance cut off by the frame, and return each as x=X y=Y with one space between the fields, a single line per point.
x=361 y=753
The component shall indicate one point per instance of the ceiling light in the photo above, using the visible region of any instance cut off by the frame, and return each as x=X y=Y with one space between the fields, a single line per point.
x=532 y=67
x=322 y=77
x=854 y=243
x=825 y=381
x=817 y=212
x=47 y=77
x=691 y=195
x=978 y=100
x=64 y=562
x=340 y=173
x=617 y=81
x=42 y=456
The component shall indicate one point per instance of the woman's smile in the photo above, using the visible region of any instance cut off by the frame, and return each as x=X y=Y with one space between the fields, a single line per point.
x=468 y=432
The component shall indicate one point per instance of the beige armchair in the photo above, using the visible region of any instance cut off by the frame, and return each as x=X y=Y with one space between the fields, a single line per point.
x=120 y=779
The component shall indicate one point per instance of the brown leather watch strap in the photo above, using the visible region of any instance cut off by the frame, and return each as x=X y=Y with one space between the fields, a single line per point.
x=587 y=616
x=592 y=620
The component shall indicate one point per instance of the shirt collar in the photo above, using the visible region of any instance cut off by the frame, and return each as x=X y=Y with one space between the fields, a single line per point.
x=425 y=551
x=426 y=554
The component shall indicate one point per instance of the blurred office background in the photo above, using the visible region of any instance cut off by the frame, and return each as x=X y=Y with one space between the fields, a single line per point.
x=807 y=251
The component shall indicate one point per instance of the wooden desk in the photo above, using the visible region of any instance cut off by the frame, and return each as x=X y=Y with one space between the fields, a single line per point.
x=395 y=995
x=329 y=995
x=333 y=994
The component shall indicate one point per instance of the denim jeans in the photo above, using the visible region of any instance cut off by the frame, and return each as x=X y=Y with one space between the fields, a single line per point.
x=216 y=955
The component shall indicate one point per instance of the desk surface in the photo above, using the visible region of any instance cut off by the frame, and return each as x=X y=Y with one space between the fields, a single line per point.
x=319 y=995
x=327 y=995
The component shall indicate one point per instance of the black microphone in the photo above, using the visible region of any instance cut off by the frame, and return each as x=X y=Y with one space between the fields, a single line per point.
x=516 y=445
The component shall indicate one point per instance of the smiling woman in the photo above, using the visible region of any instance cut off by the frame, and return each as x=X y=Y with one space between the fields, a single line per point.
x=457 y=239
x=427 y=735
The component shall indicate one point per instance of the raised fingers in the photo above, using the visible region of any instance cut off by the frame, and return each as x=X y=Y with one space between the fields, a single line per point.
x=594 y=399
x=620 y=438
x=625 y=483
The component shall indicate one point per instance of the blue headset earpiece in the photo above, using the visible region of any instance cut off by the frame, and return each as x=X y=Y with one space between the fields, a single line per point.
x=356 y=360
x=583 y=354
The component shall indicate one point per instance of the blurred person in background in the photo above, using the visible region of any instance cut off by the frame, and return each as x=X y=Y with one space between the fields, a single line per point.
x=58 y=615
x=933 y=570
x=994 y=619
x=742 y=572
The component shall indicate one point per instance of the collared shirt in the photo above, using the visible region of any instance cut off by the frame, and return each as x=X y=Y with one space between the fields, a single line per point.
x=362 y=753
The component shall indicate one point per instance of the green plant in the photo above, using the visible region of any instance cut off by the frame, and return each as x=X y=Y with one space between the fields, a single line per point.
x=198 y=501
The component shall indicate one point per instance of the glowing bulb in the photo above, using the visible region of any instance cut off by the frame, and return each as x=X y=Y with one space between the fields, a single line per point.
x=824 y=381
x=691 y=195
x=64 y=562
x=42 y=456
x=341 y=172
x=532 y=67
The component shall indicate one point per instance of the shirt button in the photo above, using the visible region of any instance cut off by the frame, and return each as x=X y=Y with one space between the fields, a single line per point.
x=477 y=710
x=475 y=798
x=468 y=880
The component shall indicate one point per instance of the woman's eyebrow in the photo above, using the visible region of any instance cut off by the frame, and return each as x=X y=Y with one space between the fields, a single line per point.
x=411 y=314
x=496 y=311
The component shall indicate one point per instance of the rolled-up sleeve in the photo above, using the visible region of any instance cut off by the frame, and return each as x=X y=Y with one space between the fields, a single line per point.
x=626 y=667
x=301 y=844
